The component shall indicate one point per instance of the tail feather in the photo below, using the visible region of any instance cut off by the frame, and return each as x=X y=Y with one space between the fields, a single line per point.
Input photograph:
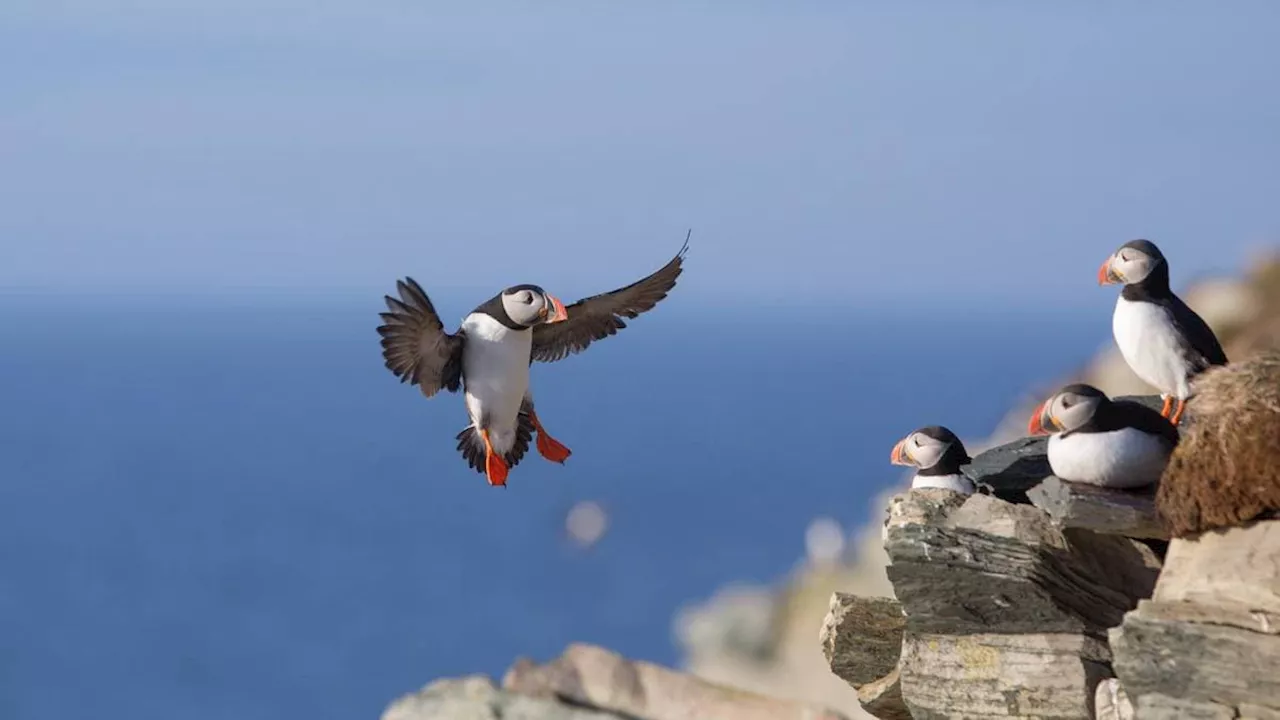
x=471 y=445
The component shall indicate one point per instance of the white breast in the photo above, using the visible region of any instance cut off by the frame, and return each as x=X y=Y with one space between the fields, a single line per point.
x=958 y=483
x=1125 y=458
x=495 y=371
x=1150 y=344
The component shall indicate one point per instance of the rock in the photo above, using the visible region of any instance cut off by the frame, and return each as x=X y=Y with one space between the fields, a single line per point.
x=1010 y=470
x=592 y=677
x=1027 y=675
x=1006 y=613
x=1131 y=513
x=1110 y=701
x=1207 y=644
x=477 y=698
x=993 y=566
x=883 y=698
x=862 y=641
x=862 y=637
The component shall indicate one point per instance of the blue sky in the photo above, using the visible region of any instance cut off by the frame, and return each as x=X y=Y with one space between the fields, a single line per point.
x=822 y=152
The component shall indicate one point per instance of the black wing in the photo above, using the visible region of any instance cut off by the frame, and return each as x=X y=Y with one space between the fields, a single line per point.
x=415 y=345
x=1129 y=413
x=1202 y=348
x=600 y=316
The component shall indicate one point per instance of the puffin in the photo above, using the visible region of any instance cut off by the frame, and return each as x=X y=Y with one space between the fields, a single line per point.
x=489 y=356
x=937 y=454
x=1099 y=441
x=1165 y=342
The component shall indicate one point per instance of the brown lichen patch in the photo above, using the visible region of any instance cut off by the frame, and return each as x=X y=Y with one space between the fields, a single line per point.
x=1226 y=469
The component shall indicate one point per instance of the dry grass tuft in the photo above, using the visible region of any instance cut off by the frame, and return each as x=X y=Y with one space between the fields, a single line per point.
x=1226 y=469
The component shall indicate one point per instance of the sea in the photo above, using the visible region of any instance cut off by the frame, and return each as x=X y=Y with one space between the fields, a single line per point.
x=213 y=512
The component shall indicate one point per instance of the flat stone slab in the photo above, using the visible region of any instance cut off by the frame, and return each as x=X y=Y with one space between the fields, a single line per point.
x=1131 y=513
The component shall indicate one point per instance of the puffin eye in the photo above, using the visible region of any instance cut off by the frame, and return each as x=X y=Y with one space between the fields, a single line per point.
x=526 y=298
x=916 y=439
x=1066 y=402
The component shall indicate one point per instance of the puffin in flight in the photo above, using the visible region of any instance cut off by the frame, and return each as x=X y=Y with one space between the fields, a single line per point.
x=938 y=455
x=488 y=358
x=1165 y=342
x=1105 y=442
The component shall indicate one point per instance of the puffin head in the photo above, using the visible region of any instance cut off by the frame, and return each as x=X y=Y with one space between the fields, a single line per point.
x=1131 y=264
x=529 y=305
x=1068 y=409
x=929 y=447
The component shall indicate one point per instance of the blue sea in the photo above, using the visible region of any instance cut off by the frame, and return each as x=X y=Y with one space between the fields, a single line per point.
x=236 y=512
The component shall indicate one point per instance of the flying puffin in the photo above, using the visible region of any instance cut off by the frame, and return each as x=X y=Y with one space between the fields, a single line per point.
x=938 y=455
x=1105 y=442
x=1165 y=342
x=490 y=354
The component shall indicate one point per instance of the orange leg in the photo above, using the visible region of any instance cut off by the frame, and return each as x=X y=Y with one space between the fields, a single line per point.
x=494 y=467
x=1168 y=403
x=1177 y=416
x=549 y=447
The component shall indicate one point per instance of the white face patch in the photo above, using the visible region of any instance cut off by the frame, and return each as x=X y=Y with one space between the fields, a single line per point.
x=524 y=307
x=1132 y=265
x=1072 y=411
x=925 y=451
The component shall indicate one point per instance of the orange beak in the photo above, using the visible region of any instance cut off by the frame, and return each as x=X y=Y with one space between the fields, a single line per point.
x=899 y=454
x=556 y=313
x=1107 y=276
x=1041 y=422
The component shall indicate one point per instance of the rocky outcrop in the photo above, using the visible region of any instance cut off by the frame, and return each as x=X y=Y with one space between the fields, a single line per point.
x=1006 y=611
x=591 y=683
x=1207 y=644
x=1047 y=599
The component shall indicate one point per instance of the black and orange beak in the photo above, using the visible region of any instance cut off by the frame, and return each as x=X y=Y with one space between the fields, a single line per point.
x=1107 y=275
x=1042 y=423
x=555 y=312
x=899 y=454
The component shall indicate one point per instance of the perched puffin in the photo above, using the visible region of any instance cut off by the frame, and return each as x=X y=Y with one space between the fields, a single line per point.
x=490 y=354
x=1100 y=441
x=938 y=455
x=1164 y=341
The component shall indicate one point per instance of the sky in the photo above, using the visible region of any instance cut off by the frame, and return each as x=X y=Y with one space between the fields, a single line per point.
x=835 y=153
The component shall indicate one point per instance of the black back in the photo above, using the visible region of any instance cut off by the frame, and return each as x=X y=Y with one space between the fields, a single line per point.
x=1114 y=415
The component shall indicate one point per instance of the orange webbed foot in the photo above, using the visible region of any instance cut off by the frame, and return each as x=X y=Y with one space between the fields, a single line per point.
x=495 y=468
x=549 y=447
x=1168 y=404
x=1177 y=415
x=552 y=449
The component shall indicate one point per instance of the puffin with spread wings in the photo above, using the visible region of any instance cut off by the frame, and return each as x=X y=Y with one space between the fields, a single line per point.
x=488 y=358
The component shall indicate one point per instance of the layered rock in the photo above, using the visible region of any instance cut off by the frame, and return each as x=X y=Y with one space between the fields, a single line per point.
x=1002 y=606
x=1207 y=644
x=591 y=683
x=1007 y=612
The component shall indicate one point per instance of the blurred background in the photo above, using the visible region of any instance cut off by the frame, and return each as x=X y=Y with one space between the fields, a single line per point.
x=215 y=501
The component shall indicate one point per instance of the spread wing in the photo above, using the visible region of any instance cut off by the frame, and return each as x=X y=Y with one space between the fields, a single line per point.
x=415 y=345
x=1203 y=348
x=600 y=316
